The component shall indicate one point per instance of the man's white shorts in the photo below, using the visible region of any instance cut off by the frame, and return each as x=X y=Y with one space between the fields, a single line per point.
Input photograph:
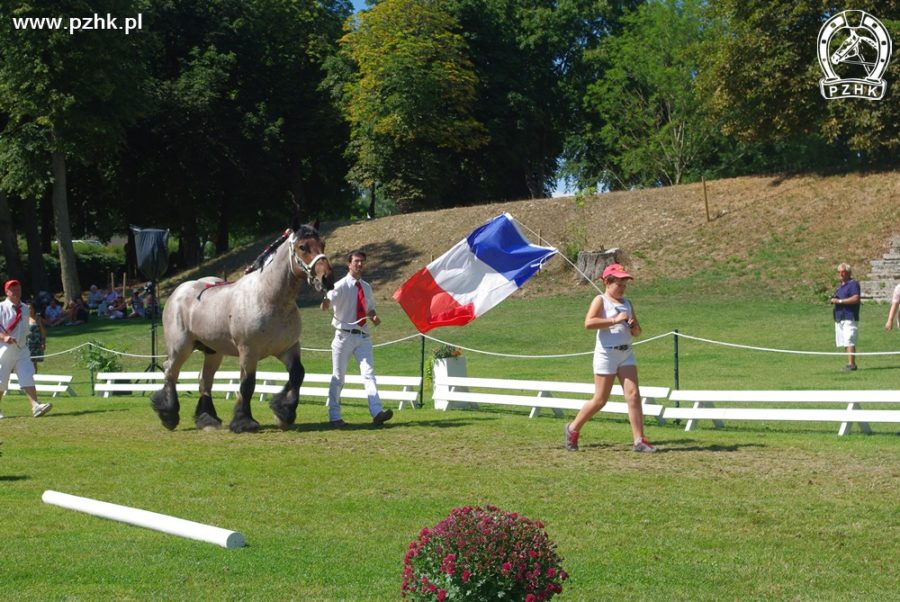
x=845 y=333
x=608 y=361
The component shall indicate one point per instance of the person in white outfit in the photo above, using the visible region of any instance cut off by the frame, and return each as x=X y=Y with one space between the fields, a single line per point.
x=613 y=317
x=14 y=352
x=353 y=303
x=893 y=311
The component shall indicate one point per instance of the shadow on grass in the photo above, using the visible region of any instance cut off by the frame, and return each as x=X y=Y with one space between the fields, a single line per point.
x=680 y=446
x=57 y=413
x=10 y=478
x=316 y=427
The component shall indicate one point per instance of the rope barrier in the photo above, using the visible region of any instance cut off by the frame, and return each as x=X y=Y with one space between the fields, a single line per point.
x=527 y=356
x=774 y=350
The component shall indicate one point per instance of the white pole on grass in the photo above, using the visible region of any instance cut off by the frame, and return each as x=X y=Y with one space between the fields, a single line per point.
x=146 y=519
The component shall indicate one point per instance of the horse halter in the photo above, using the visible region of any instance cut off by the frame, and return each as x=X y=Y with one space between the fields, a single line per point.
x=306 y=267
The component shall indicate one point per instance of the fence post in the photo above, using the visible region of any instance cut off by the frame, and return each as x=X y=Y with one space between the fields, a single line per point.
x=675 y=365
x=675 y=359
x=422 y=371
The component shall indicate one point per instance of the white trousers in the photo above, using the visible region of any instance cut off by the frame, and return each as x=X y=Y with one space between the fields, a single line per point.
x=18 y=358
x=343 y=346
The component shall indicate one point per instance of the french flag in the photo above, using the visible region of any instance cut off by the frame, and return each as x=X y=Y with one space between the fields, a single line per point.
x=479 y=272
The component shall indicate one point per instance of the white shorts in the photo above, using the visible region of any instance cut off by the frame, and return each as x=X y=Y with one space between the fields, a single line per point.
x=608 y=361
x=845 y=333
x=18 y=359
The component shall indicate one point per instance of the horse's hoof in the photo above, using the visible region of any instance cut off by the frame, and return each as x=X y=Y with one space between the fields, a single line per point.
x=244 y=426
x=169 y=420
x=283 y=424
x=206 y=422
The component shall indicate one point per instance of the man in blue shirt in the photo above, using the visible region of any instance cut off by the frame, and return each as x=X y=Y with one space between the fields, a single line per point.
x=845 y=302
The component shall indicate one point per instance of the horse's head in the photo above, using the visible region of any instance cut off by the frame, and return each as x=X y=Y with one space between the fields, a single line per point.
x=308 y=252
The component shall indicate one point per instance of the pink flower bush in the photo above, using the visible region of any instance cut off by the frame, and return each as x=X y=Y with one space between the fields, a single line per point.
x=482 y=553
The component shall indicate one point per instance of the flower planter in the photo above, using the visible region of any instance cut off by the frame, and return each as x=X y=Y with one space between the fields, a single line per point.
x=448 y=366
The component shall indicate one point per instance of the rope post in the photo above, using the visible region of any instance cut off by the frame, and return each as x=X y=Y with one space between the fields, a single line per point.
x=422 y=371
x=675 y=368
x=675 y=357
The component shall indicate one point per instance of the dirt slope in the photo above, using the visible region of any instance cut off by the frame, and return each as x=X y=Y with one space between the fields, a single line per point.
x=783 y=233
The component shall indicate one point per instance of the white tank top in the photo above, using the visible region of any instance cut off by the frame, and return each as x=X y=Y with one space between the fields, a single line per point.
x=618 y=334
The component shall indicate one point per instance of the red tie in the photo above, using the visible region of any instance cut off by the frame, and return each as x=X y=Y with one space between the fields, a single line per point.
x=360 y=304
x=15 y=322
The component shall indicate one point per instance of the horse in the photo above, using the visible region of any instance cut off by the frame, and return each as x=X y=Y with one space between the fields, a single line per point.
x=253 y=317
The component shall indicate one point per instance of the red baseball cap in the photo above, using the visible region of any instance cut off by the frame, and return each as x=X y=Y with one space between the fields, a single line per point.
x=11 y=283
x=617 y=271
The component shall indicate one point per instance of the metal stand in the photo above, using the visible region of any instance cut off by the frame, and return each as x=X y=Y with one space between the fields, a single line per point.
x=153 y=366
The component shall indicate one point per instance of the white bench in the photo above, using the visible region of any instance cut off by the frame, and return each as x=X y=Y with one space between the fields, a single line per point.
x=703 y=407
x=46 y=383
x=141 y=382
x=457 y=391
x=396 y=388
x=404 y=389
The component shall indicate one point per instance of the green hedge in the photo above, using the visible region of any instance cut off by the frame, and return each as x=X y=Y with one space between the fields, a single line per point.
x=95 y=262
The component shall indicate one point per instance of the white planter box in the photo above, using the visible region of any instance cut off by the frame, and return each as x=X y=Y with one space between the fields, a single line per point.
x=449 y=366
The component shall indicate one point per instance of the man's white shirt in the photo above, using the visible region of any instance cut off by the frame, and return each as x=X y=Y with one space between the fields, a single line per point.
x=343 y=303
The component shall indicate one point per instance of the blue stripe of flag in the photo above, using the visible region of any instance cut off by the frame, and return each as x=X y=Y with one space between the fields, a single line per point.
x=501 y=245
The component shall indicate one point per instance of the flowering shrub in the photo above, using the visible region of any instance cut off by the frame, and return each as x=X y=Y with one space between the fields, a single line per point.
x=443 y=351
x=482 y=554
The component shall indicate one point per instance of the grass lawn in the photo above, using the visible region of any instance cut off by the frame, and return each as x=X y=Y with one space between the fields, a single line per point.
x=757 y=511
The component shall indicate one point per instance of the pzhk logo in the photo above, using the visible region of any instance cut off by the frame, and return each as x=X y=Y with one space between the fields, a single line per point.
x=858 y=45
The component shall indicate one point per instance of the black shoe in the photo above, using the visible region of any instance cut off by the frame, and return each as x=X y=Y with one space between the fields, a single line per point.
x=338 y=424
x=383 y=416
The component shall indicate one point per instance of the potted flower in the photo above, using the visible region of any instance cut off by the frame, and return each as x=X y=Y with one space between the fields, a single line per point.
x=482 y=553
x=446 y=360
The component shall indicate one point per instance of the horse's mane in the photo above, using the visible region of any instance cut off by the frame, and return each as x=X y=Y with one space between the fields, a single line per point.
x=305 y=231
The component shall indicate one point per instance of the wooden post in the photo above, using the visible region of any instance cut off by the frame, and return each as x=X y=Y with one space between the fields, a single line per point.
x=705 y=198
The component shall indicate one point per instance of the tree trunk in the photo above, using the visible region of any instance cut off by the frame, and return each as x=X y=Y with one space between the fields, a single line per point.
x=14 y=268
x=36 y=267
x=189 y=246
x=46 y=214
x=68 y=266
x=222 y=229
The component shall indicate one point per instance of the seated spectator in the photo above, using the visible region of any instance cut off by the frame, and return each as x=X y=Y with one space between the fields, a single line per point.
x=116 y=307
x=78 y=312
x=95 y=296
x=137 y=305
x=53 y=314
x=151 y=307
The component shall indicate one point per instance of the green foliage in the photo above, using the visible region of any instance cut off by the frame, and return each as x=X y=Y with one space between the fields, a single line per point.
x=655 y=128
x=409 y=102
x=764 y=84
x=94 y=358
x=95 y=263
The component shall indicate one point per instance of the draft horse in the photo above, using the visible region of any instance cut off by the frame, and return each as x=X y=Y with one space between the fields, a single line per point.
x=251 y=318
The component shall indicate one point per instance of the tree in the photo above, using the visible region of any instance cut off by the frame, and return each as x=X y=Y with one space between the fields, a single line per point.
x=409 y=100
x=76 y=90
x=239 y=125
x=764 y=84
x=653 y=124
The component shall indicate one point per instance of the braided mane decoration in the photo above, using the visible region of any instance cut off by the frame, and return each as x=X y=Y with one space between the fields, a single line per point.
x=304 y=231
x=261 y=259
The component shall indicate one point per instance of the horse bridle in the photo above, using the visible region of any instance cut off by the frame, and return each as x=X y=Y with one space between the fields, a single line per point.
x=306 y=267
